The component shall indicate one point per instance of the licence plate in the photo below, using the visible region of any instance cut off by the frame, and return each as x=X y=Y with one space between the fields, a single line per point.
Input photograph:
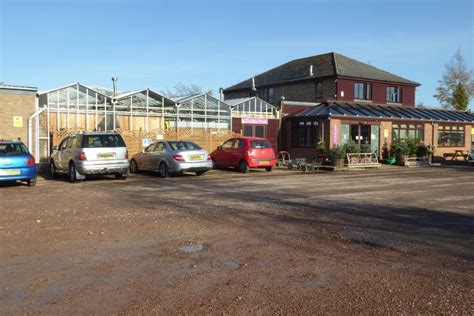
x=265 y=162
x=107 y=156
x=9 y=172
x=196 y=157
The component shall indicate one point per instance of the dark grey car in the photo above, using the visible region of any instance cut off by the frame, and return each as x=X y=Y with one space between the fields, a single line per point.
x=172 y=157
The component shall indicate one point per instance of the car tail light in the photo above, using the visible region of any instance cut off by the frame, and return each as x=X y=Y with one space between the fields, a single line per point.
x=126 y=154
x=209 y=157
x=30 y=161
x=178 y=157
x=82 y=156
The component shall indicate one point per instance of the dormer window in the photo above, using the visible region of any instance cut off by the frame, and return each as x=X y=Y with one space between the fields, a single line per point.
x=394 y=94
x=268 y=95
x=362 y=91
x=319 y=90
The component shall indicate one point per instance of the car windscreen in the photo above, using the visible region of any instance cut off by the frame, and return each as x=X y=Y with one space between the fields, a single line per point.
x=11 y=149
x=260 y=144
x=183 y=146
x=103 y=141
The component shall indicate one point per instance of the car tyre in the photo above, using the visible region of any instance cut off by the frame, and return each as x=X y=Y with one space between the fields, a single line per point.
x=120 y=176
x=31 y=182
x=72 y=173
x=269 y=169
x=163 y=170
x=244 y=167
x=52 y=169
x=133 y=166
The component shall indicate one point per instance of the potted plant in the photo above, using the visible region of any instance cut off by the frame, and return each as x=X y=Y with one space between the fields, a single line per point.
x=338 y=154
x=422 y=150
x=401 y=150
x=365 y=148
x=320 y=150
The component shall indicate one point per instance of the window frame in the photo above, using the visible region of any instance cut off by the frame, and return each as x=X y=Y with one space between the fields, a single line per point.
x=390 y=91
x=303 y=134
x=418 y=129
x=366 y=91
x=460 y=130
x=319 y=89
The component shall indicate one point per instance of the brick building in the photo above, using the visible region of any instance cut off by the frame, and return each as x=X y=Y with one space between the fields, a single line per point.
x=326 y=77
x=335 y=98
x=17 y=105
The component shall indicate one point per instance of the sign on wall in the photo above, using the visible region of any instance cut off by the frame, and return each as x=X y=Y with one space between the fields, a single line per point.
x=385 y=132
x=18 y=121
x=335 y=135
x=147 y=141
x=256 y=121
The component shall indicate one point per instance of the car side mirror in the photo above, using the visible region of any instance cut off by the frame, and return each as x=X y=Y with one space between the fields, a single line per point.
x=219 y=147
x=55 y=147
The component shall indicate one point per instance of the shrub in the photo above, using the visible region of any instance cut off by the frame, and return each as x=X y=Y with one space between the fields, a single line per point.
x=351 y=147
x=422 y=150
x=320 y=148
x=338 y=152
x=399 y=149
x=411 y=146
x=365 y=148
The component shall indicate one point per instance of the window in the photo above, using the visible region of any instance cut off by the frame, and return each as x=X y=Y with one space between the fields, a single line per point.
x=304 y=133
x=268 y=95
x=402 y=132
x=362 y=91
x=228 y=144
x=260 y=144
x=319 y=90
x=450 y=136
x=160 y=147
x=394 y=94
x=103 y=141
x=12 y=149
x=183 y=146
x=150 y=148
x=248 y=131
x=254 y=130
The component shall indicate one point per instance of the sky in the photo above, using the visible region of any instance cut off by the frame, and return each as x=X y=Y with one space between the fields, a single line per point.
x=213 y=44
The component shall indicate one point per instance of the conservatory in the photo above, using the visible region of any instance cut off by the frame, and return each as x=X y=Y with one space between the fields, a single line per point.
x=77 y=107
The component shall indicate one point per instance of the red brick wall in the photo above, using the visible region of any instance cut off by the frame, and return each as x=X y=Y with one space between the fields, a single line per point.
x=271 y=130
x=379 y=91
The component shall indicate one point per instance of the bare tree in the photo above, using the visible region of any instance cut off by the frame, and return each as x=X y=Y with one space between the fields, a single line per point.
x=456 y=87
x=181 y=90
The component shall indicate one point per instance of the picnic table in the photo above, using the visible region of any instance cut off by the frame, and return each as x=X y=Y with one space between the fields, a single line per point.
x=457 y=153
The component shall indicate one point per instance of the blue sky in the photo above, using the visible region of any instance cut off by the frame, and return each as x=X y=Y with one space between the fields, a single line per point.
x=158 y=44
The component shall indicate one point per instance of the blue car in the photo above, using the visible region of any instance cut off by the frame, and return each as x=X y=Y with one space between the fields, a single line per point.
x=16 y=163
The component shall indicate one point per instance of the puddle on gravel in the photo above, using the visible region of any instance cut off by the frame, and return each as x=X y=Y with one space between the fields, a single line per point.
x=191 y=248
x=317 y=282
x=232 y=265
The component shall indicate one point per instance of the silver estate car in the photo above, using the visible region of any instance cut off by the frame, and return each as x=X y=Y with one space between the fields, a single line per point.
x=90 y=153
x=172 y=157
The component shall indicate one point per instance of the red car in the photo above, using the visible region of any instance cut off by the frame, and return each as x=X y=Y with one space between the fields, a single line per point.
x=245 y=153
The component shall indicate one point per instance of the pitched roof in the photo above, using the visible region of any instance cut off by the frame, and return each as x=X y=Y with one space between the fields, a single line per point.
x=350 y=109
x=329 y=64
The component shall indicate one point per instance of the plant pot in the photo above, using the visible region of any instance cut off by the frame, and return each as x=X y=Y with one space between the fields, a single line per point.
x=338 y=163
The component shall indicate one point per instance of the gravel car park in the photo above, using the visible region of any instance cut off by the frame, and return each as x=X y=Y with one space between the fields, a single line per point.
x=398 y=242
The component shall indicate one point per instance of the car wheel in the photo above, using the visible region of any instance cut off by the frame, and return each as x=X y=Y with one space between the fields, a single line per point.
x=120 y=176
x=52 y=169
x=133 y=166
x=163 y=170
x=244 y=167
x=72 y=173
x=269 y=169
x=200 y=173
x=31 y=182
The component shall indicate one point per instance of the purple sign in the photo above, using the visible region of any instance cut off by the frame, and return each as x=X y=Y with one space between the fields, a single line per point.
x=335 y=135
x=257 y=121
